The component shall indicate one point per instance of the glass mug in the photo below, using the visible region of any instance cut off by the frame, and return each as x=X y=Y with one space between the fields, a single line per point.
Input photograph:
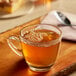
x=40 y=45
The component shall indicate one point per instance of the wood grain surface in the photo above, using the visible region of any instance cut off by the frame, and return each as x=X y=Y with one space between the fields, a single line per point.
x=13 y=65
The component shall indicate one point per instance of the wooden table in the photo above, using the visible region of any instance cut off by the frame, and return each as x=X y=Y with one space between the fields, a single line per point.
x=13 y=65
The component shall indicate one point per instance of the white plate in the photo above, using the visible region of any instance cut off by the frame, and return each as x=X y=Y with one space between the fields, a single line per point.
x=27 y=8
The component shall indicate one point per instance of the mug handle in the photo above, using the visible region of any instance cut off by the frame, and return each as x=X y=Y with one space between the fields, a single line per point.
x=13 y=46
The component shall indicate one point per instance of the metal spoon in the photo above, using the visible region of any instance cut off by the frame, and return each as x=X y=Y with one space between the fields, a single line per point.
x=63 y=19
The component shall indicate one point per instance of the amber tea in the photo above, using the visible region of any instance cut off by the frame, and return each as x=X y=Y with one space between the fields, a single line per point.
x=40 y=46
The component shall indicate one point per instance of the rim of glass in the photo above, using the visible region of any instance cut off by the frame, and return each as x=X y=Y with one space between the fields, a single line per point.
x=37 y=44
x=40 y=24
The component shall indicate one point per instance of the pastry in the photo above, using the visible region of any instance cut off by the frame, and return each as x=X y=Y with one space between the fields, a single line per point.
x=9 y=6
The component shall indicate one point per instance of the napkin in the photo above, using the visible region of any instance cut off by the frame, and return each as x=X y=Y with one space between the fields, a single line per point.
x=68 y=33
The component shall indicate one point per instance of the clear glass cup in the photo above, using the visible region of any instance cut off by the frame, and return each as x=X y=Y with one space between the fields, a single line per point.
x=39 y=47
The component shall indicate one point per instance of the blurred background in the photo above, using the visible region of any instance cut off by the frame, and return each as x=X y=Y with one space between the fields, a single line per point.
x=9 y=21
x=64 y=5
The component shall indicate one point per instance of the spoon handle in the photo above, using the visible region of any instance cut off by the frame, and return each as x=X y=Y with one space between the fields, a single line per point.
x=62 y=18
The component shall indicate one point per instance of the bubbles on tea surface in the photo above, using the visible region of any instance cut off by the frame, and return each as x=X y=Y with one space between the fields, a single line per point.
x=31 y=35
x=37 y=36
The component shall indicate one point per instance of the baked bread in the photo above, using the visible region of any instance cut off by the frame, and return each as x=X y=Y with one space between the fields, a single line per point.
x=10 y=6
